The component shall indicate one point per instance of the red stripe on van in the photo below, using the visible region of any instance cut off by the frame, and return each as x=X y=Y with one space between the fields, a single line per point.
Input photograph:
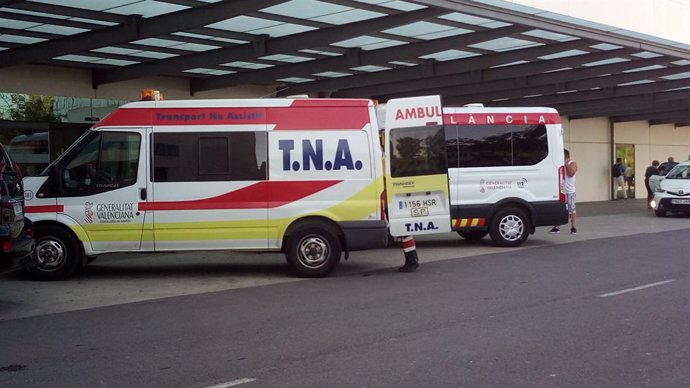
x=44 y=209
x=260 y=195
x=500 y=118
x=307 y=117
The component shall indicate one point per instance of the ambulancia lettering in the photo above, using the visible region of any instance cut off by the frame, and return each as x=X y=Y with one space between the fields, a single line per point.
x=418 y=113
x=493 y=118
x=313 y=156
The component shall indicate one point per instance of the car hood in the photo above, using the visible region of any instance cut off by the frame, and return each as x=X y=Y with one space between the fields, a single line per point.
x=676 y=186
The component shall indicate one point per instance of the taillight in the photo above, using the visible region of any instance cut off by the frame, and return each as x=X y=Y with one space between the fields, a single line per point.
x=561 y=182
x=7 y=246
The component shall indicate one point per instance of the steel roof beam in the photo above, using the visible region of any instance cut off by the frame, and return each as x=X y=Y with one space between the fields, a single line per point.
x=587 y=95
x=487 y=74
x=134 y=29
x=557 y=79
x=658 y=118
x=607 y=104
x=497 y=13
x=372 y=57
x=268 y=46
x=641 y=106
x=406 y=74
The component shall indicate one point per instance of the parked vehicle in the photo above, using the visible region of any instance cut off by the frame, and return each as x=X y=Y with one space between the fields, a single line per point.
x=505 y=167
x=300 y=176
x=16 y=231
x=673 y=192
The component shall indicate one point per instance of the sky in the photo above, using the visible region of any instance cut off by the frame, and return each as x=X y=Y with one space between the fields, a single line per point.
x=669 y=19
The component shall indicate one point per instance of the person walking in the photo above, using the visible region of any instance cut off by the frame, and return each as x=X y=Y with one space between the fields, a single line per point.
x=569 y=191
x=651 y=170
x=630 y=179
x=617 y=172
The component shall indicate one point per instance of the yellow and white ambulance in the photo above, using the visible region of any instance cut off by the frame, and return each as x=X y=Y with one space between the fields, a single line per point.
x=301 y=176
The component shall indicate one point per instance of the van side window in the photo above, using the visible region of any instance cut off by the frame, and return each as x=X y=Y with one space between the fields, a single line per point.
x=417 y=151
x=108 y=161
x=496 y=145
x=208 y=156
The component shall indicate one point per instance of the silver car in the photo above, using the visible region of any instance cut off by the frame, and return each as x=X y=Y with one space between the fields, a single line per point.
x=672 y=194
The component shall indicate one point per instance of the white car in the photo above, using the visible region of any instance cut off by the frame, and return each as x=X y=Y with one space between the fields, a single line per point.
x=673 y=192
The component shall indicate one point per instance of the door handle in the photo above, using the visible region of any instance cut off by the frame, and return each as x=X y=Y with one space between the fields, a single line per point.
x=142 y=194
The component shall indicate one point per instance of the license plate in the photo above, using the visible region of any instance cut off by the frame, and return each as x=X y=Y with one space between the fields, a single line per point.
x=419 y=204
x=680 y=201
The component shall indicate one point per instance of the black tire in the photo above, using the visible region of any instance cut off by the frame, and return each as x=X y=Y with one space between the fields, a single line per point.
x=313 y=250
x=473 y=235
x=509 y=227
x=57 y=254
x=660 y=213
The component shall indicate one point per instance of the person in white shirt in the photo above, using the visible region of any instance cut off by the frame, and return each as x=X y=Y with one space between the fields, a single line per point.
x=569 y=191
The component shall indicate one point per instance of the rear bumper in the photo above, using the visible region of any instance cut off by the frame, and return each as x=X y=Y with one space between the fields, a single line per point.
x=22 y=247
x=360 y=235
x=549 y=213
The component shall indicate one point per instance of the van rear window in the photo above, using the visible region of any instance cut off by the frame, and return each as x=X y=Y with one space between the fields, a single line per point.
x=495 y=145
x=417 y=151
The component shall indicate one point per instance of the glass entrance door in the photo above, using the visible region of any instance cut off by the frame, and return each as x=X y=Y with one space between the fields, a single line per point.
x=627 y=153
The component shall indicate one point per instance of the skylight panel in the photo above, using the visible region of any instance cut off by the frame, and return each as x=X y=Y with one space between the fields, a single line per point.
x=466 y=19
x=247 y=65
x=401 y=5
x=59 y=30
x=640 y=82
x=153 y=54
x=346 y=17
x=504 y=44
x=368 y=42
x=17 y=24
x=549 y=35
x=19 y=39
x=420 y=29
x=329 y=53
x=157 y=42
x=116 y=62
x=369 y=68
x=286 y=58
x=677 y=76
x=563 y=54
x=306 y=9
x=195 y=47
x=295 y=80
x=646 y=54
x=243 y=24
x=653 y=67
x=115 y=50
x=332 y=74
x=147 y=8
x=606 y=62
x=606 y=47
x=283 y=30
x=88 y=4
x=449 y=55
x=77 y=58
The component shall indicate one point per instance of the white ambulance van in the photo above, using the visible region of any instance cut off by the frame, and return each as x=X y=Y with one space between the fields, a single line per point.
x=505 y=167
x=301 y=176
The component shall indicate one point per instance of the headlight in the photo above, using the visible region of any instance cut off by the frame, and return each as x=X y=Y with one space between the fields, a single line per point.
x=653 y=204
x=658 y=189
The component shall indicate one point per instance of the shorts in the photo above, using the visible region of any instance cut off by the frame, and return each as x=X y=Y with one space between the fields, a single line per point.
x=570 y=202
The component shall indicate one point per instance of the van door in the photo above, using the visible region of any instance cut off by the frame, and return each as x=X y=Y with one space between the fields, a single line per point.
x=416 y=167
x=209 y=188
x=101 y=185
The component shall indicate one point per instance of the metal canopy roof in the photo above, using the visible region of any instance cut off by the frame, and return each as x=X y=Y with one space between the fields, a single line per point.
x=467 y=51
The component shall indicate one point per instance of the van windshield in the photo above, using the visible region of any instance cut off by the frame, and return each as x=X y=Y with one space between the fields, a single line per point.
x=84 y=138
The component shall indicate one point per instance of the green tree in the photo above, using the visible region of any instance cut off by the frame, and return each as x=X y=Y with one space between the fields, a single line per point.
x=32 y=108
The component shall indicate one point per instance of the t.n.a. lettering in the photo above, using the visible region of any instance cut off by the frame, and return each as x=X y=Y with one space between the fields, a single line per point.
x=313 y=156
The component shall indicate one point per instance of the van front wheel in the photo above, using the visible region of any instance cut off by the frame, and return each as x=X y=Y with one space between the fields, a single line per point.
x=313 y=251
x=509 y=227
x=56 y=255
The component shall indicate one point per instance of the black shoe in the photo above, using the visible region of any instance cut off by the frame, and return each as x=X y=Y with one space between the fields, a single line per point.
x=408 y=268
x=555 y=230
x=573 y=231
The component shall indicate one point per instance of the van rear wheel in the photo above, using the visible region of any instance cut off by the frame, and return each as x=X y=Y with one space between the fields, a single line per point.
x=509 y=227
x=56 y=255
x=313 y=251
